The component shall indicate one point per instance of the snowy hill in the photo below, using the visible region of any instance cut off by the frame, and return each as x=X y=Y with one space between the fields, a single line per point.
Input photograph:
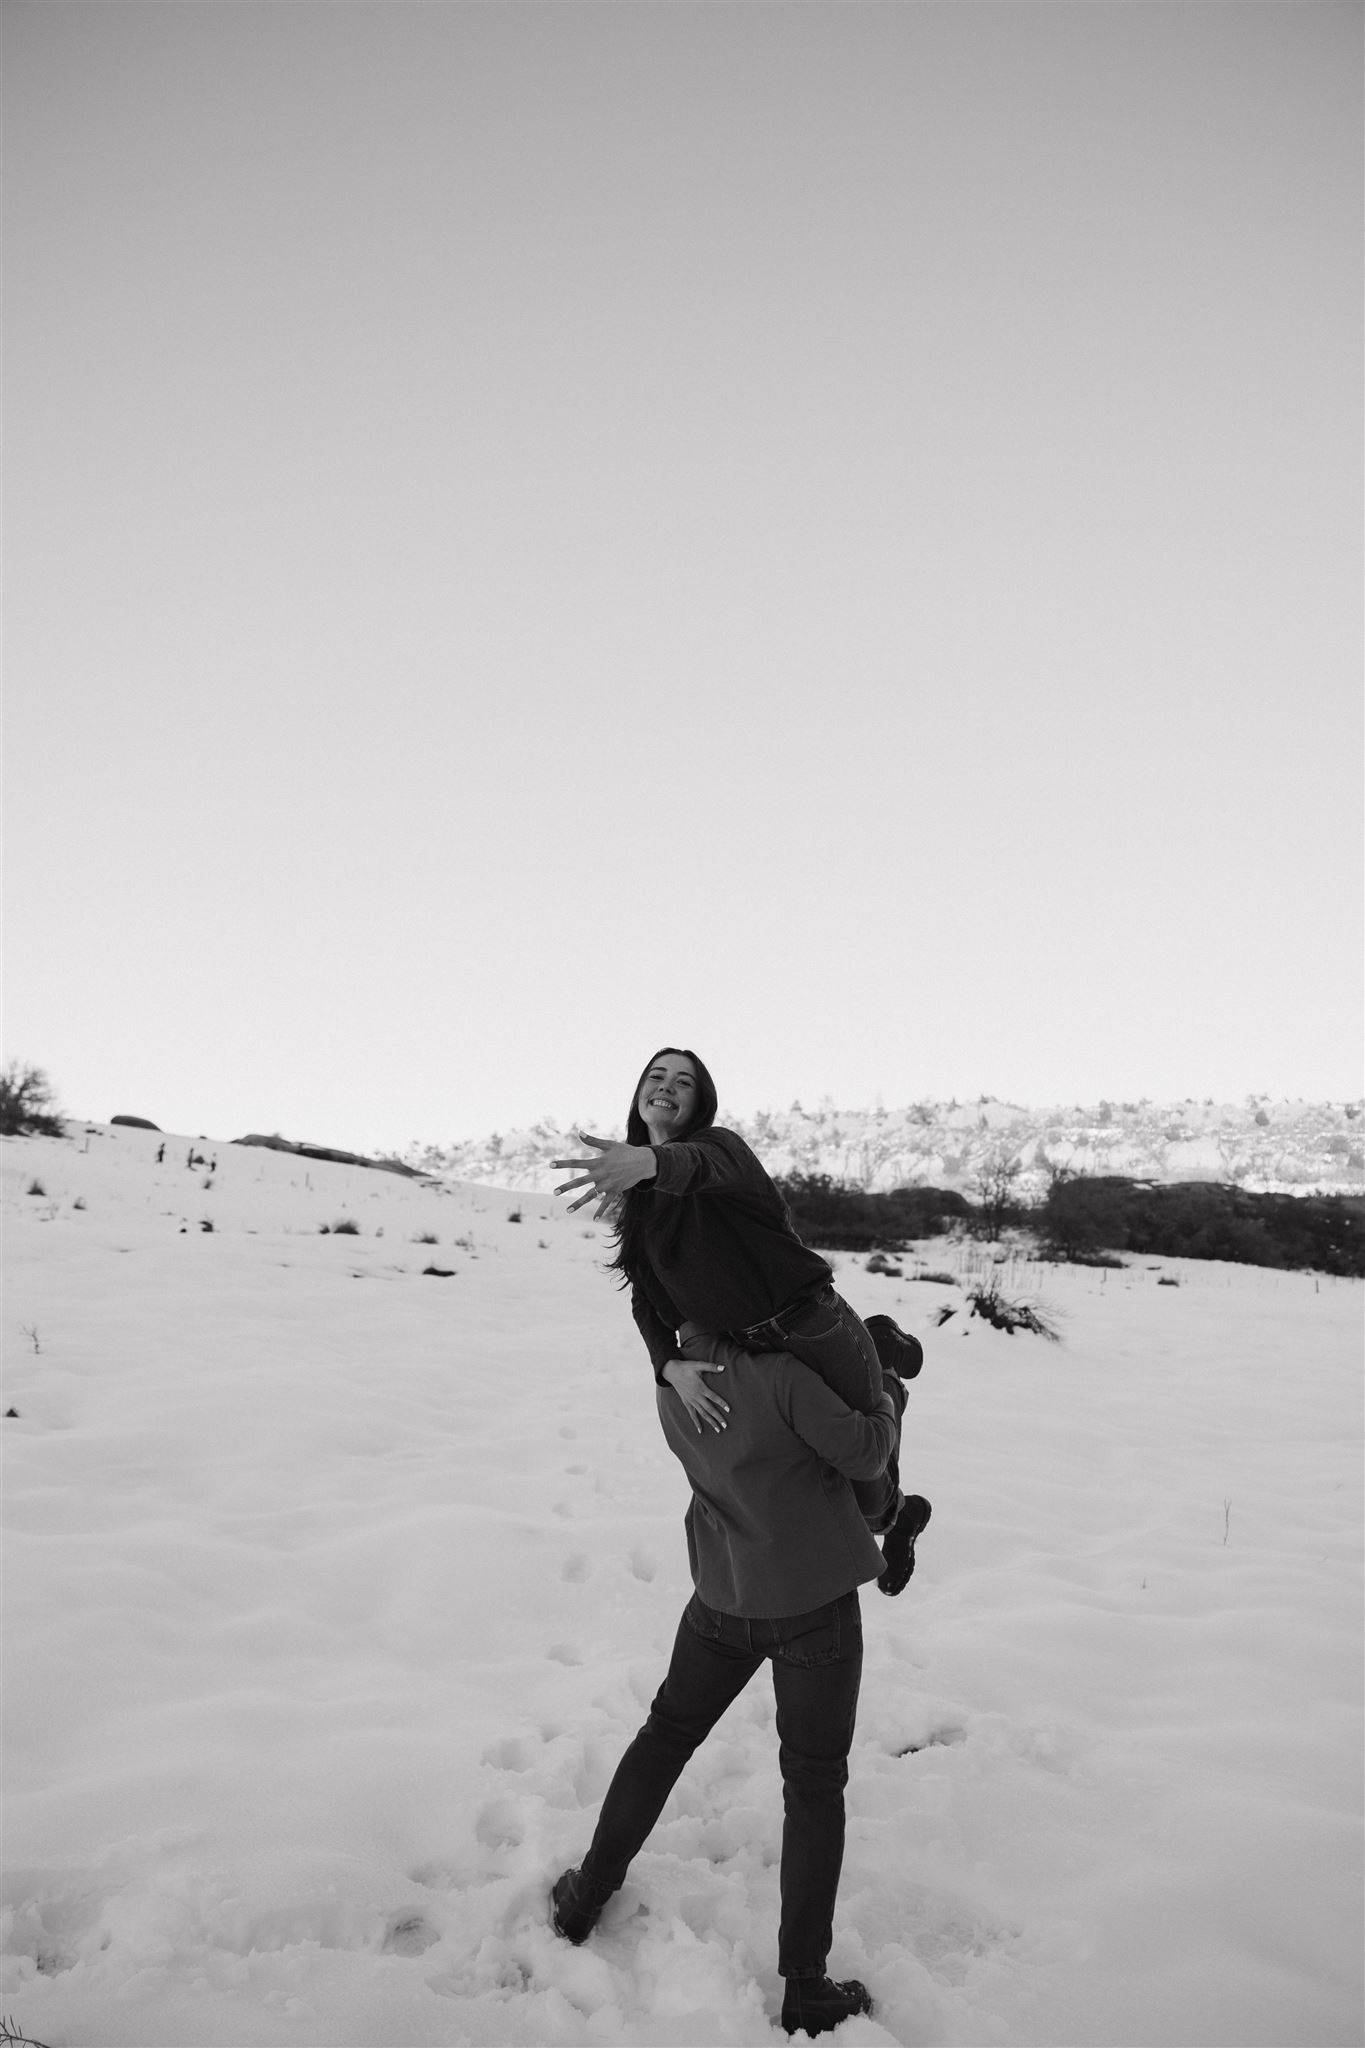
x=344 y=1553
x=1299 y=1147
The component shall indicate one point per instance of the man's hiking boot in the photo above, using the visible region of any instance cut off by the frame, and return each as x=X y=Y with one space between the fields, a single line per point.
x=901 y=1353
x=576 y=1904
x=898 y=1546
x=816 y=2005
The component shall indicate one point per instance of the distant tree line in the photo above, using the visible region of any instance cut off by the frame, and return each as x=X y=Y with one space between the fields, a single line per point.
x=1202 y=1220
x=1090 y=1217
x=840 y=1218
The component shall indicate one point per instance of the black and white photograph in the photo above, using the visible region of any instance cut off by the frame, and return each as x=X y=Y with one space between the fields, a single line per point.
x=682 y=1120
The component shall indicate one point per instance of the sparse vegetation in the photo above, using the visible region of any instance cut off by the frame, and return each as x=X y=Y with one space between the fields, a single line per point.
x=28 y=1108
x=35 y=1187
x=997 y=1202
x=514 y=1216
x=426 y=1237
x=439 y=1272
x=990 y=1304
x=347 y=1227
x=12 y=2037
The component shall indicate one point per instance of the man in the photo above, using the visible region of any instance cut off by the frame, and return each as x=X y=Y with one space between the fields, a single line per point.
x=778 y=1548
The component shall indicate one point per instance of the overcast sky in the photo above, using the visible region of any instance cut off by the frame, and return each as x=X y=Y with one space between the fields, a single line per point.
x=829 y=535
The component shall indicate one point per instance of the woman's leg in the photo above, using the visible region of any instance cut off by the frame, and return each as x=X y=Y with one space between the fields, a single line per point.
x=832 y=1339
x=711 y=1665
x=816 y=1675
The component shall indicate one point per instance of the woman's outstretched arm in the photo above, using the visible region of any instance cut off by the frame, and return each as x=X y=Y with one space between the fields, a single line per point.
x=616 y=1169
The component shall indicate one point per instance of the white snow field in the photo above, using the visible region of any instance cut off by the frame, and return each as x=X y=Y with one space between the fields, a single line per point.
x=334 y=1591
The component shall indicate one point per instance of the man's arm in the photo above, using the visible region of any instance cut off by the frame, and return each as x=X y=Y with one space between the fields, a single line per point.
x=856 y=1445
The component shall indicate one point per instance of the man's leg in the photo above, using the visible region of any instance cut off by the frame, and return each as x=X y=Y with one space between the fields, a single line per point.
x=710 y=1667
x=816 y=1675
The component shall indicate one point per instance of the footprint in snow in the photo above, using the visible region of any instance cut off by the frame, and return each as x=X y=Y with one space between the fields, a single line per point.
x=564 y=1653
x=499 y=1825
x=576 y=1568
x=410 y=1936
x=513 y=1753
x=937 y=1738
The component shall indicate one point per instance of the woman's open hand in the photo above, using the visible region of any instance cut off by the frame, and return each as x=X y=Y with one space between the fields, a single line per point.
x=687 y=1382
x=613 y=1173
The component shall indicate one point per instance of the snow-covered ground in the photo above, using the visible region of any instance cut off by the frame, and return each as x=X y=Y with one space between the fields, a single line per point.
x=334 y=1590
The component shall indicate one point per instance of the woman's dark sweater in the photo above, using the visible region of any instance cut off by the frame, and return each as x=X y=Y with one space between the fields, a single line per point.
x=720 y=1247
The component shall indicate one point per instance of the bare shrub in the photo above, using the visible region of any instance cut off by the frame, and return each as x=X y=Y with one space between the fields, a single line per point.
x=990 y=1304
x=27 y=1105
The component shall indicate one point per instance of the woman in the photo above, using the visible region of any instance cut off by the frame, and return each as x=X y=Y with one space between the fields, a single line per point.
x=704 y=1238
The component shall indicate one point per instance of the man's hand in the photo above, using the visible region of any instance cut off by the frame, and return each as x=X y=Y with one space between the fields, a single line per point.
x=616 y=1170
x=686 y=1380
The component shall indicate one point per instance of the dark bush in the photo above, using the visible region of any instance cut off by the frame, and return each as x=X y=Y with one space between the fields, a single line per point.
x=1204 y=1220
x=839 y=1218
x=1083 y=1215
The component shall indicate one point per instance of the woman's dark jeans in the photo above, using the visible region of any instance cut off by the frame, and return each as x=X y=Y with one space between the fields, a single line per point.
x=817 y=1662
x=832 y=1339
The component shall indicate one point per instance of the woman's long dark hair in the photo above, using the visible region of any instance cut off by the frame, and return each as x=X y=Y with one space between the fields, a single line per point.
x=632 y=1215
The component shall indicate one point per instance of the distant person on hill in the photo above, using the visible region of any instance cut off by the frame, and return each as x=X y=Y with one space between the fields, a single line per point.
x=703 y=1238
x=778 y=1549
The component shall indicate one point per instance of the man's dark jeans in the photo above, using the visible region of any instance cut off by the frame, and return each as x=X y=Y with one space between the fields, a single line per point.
x=817 y=1662
x=832 y=1339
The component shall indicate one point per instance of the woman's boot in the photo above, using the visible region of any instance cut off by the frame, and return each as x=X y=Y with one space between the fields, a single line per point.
x=896 y=1348
x=898 y=1545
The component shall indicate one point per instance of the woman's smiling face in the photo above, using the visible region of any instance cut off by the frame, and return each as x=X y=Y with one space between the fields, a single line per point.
x=668 y=1096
